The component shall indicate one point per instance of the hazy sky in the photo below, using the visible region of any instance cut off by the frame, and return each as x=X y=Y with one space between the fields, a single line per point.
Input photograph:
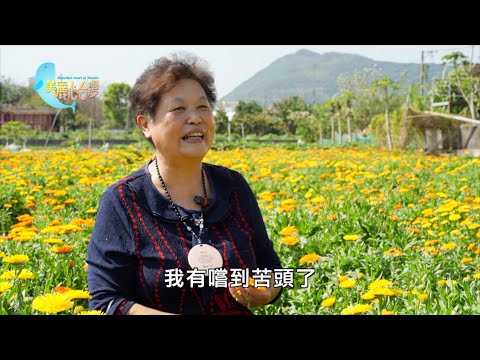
x=232 y=64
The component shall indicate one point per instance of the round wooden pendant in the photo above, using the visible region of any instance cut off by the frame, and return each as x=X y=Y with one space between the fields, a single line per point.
x=204 y=256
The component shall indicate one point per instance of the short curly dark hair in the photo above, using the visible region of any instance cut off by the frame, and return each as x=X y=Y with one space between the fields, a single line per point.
x=161 y=77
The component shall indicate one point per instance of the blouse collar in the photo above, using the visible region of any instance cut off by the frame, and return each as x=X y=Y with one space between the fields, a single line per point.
x=221 y=182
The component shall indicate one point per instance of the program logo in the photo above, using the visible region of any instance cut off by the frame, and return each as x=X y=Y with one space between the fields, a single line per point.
x=52 y=88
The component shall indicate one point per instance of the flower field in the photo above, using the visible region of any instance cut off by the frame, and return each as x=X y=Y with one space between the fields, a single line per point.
x=386 y=232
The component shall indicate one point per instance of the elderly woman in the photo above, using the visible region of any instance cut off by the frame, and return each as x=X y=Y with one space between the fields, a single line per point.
x=169 y=236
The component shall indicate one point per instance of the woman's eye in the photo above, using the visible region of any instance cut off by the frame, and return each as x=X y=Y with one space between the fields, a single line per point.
x=179 y=108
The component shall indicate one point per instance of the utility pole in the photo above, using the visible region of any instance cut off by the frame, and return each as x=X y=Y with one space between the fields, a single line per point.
x=421 y=74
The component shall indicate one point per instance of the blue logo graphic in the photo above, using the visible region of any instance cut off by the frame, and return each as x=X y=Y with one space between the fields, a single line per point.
x=45 y=75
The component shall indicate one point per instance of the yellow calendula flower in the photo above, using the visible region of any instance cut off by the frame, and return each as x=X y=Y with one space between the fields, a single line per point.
x=379 y=284
x=368 y=296
x=350 y=237
x=59 y=193
x=423 y=297
x=26 y=275
x=51 y=303
x=347 y=284
x=8 y=275
x=387 y=312
x=448 y=246
x=16 y=259
x=5 y=286
x=328 y=302
x=77 y=294
x=466 y=260
x=356 y=309
x=91 y=312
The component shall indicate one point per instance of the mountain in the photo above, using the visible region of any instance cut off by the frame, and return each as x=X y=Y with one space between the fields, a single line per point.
x=308 y=74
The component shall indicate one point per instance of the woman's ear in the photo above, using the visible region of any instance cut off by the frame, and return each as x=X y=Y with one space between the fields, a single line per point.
x=143 y=124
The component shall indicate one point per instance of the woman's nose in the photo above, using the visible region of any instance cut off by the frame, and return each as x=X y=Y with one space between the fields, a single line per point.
x=194 y=117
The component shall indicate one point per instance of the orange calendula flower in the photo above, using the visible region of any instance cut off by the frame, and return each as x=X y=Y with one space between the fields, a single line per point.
x=414 y=230
x=89 y=222
x=289 y=230
x=62 y=289
x=61 y=249
x=309 y=258
x=58 y=207
x=290 y=240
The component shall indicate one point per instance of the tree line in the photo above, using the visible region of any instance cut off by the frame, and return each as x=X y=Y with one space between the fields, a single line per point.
x=368 y=103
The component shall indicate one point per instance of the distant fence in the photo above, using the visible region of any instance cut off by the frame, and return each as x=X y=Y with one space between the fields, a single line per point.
x=59 y=142
x=98 y=142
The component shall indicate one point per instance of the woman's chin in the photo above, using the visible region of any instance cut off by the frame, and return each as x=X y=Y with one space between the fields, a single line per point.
x=195 y=151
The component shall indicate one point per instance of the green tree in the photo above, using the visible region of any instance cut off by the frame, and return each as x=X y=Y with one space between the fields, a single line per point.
x=15 y=130
x=464 y=79
x=14 y=94
x=221 y=120
x=365 y=105
x=115 y=105
x=383 y=86
x=285 y=111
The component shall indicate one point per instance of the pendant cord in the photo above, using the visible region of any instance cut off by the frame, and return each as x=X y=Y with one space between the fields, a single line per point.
x=200 y=222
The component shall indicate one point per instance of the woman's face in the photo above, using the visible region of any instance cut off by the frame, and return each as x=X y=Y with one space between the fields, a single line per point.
x=183 y=126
